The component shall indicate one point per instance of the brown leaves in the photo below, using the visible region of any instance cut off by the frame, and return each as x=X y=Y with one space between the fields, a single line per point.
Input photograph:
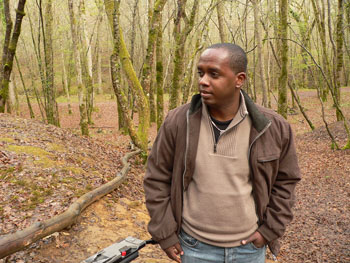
x=43 y=169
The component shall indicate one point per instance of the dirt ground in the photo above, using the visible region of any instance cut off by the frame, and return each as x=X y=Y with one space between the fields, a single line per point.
x=319 y=232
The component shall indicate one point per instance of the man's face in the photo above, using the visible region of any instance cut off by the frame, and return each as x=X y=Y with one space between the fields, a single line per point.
x=218 y=84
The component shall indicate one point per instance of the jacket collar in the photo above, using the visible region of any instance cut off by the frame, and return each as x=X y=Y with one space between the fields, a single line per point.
x=259 y=121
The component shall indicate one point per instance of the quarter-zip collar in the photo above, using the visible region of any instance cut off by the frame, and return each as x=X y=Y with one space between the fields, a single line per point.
x=259 y=125
x=259 y=121
x=237 y=119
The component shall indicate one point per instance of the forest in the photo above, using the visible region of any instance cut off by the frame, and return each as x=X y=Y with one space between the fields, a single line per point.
x=94 y=79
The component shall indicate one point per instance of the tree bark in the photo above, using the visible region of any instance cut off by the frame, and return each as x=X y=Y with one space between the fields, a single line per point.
x=65 y=83
x=283 y=78
x=31 y=112
x=9 y=49
x=86 y=61
x=339 y=53
x=220 y=8
x=81 y=88
x=180 y=36
x=159 y=75
x=320 y=23
x=260 y=52
x=50 y=93
x=147 y=72
x=141 y=139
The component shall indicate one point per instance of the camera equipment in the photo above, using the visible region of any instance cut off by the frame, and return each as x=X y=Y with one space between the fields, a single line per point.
x=120 y=252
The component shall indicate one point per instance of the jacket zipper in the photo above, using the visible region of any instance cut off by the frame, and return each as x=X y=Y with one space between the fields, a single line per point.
x=257 y=137
x=186 y=150
x=249 y=161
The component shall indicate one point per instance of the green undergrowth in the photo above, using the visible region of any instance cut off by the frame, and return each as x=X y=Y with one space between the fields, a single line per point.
x=7 y=140
x=41 y=157
x=37 y=188
x=36 y=193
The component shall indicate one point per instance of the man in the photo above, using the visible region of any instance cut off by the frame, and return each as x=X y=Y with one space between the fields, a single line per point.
x=221 y=175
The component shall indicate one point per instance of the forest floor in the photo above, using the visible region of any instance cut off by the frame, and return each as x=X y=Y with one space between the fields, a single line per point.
x=43 y=169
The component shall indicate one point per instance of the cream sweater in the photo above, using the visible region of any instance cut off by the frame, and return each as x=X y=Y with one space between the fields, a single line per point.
x=218 y=206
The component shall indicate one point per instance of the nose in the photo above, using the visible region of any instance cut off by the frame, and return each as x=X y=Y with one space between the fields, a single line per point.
x=203 y=81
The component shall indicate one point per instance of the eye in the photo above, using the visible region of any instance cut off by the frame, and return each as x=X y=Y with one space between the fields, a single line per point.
x=200 y=73
x=214 y=74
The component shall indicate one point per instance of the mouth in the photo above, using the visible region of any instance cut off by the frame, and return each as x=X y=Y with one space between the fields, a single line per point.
x=204 y=94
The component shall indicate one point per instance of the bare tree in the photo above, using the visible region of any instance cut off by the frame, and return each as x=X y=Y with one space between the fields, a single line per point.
x=180 y=35
x=339 y=53
x=283 y=78
x=122 y=56
x=51 y=108
x=77 y=54
x=260 y=51
x=9 y=49
x=220 y=8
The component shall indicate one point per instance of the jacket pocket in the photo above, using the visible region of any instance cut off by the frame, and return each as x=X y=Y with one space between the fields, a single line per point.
x=268 y=166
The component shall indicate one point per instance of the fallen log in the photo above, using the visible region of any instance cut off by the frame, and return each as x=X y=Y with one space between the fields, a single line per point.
x=14 y=242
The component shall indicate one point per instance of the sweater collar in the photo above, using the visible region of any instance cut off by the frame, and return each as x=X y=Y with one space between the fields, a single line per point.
x=259 y=121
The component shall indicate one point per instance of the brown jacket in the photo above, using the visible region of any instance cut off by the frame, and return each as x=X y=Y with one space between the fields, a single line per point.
x=272 y=159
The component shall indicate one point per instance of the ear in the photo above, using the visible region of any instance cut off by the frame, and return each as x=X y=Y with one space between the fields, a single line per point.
x=240 y=79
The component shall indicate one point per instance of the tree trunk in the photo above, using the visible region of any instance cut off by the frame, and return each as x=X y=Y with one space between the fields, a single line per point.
x=220 y=8
x=260 y=52
x=11 y=102
x=147 y=72
x=50 y=93
x=180 y=36
x=98 y=50
x=200 y=42
x=65 y=83
x=339 y=53
x=159 y=75
x=31 y=112
x=133 y=30
x=81 y=88
x=99 y=58
x=86 y=61
x=283 y=78
x=141 y=138
x=320 y=22
x=9 y=49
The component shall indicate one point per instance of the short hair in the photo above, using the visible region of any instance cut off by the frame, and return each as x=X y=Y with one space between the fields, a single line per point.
x=238 y=57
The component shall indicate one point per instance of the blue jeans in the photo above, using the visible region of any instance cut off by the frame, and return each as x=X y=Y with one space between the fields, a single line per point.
x=199 y=252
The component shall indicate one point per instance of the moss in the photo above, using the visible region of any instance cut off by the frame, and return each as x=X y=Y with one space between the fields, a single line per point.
x=68 y=180
x=89 y=187
x=42 y=156
x=8 y=140
x=96 y=173
x=79 y=192
x=19 y=182
x=45 y=162
x=37 y=198
x=347 y=146
x=31 y=150
x=14 y=197
x=74 y=170
x=56 y=147
x=5 y=172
